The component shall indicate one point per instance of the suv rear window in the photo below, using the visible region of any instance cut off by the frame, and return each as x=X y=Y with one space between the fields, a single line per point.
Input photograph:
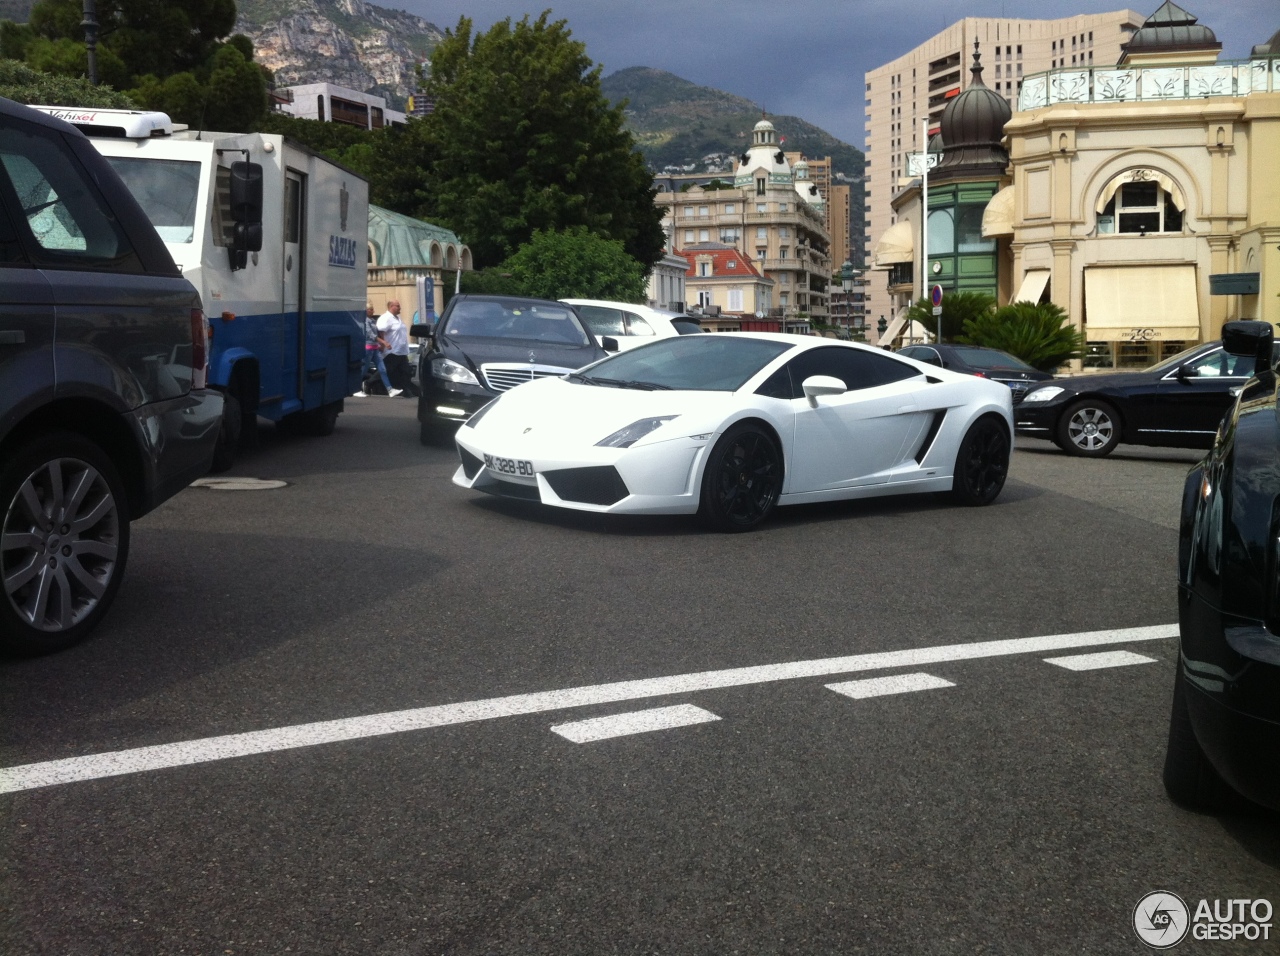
x=67 y=219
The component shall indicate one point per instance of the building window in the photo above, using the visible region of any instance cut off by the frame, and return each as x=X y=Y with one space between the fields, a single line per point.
x=688 y=210
x=760 y=184
x=762 y=232
x=688 y=235
x=704 y=269
x=704 y=299
x=735 y=300
x=761 y=207
x=1140 y=208
x=704 y=235
x=782 y=207
x=782 y=253
x=702 y=211
x=783 y=299
x=729 y=208
x=784 y=232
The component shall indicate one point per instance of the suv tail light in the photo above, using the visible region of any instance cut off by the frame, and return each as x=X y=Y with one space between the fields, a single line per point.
x=199 y=349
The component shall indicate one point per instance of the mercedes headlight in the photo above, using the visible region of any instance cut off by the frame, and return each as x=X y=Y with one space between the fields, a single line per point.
x=451 y=371
x=1043 y=394
x=626 y=437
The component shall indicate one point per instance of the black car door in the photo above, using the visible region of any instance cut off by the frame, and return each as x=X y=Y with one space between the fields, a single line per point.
x=26 y=321
x=1185 y=405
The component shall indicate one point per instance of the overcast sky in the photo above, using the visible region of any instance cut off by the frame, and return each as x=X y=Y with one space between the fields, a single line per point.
x=804 y=58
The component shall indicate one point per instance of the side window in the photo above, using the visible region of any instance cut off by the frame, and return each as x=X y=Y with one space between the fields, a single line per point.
x=71 y=225
x=856 y=368
x=778 y=385
x=602 y=321
x=637 y=325
x=1213 y=365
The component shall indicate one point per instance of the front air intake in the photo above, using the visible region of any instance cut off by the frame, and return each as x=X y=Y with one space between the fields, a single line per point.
x=597 y=485
x=471 y=465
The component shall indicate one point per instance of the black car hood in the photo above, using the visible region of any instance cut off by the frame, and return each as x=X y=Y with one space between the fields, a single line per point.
x=1104 y=381
x=1018 y=373
x=481 y=351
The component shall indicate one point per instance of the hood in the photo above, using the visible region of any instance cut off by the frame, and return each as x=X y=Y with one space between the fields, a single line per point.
x=552 y=412
x=1100 y=382
x=480 y=351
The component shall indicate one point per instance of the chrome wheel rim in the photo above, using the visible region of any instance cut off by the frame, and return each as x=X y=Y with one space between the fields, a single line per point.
x=1090 y=429
x=59 y=544
x=747 y=481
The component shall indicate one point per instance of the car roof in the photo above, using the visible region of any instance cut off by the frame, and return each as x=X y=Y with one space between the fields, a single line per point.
x=507 y=299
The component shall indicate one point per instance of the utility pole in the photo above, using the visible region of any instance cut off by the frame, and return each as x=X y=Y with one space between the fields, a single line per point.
x=90 y=24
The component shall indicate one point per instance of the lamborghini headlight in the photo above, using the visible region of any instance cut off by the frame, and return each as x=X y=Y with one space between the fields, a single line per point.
x=626 y=437
x=451 y=371
x=1042 y=394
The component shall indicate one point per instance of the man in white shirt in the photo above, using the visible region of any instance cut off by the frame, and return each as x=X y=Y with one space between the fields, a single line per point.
x=397 y=356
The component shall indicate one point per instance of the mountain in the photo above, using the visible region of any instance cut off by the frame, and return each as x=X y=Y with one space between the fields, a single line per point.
x=346 y=42
x=678 y=124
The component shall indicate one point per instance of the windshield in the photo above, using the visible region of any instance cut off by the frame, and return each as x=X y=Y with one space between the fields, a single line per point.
x=166 y=189
x=715 y=363
x=529 y=321
x=990 y=358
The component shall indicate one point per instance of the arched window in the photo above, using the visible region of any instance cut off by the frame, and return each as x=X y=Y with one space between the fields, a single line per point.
x=942 y=233
x=1140 y=202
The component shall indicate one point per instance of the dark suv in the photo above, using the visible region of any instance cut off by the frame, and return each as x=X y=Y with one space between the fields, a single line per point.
x=103 y=409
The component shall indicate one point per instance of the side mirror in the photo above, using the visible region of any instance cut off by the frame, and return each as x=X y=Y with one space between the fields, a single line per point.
x=609 y=343
x=1250 y=337
x=1185 y=372
x=817 y=385
x=422 y=331
x=246 y=211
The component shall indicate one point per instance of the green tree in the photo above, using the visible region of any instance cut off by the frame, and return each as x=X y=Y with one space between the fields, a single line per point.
x=521 y=139
x=957 y=309
x=21 y=83
x=174 y=55
x=576 y=263
x=1040 y=335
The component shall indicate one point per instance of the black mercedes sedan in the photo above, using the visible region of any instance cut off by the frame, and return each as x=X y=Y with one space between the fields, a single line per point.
x=1177 y=403
x=1224 y=729
x=486 y=344
x=981 y=361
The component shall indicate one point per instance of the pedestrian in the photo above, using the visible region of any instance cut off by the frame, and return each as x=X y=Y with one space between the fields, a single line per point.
x=397 y=356
x=374 y=344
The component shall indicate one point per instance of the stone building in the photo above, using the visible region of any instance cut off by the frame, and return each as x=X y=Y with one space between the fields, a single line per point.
x=728 y=289
x=1145 y=196
x=773 y=217
x=401 y=250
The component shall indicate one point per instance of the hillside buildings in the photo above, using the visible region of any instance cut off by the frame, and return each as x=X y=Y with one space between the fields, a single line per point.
x=1141 y=196
x=336 y=104
x=774 y=215
x=917 y=86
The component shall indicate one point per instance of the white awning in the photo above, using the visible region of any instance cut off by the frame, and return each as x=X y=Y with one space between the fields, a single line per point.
x=1141 y=303
x=895 y=246
x=895 y=328
x=1142 y=176
x=1032 y=287
x=997 y=218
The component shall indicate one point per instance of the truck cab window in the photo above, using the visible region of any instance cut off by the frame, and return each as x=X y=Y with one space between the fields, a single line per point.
x=168 y=190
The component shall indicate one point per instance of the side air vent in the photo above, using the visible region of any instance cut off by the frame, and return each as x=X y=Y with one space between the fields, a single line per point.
x=471 y=465
x=934 y=427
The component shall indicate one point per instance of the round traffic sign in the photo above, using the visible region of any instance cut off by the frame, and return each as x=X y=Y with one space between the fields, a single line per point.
x=935 y=295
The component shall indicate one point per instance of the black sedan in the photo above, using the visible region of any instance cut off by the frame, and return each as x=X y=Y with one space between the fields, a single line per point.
x=486 y=344
x=1224 y=730
x=1177 y=403
x=981 y=361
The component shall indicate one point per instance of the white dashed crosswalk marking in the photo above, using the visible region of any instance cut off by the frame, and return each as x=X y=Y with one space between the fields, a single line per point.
x=1093 y=662
x=882 y=686
x=638 y=722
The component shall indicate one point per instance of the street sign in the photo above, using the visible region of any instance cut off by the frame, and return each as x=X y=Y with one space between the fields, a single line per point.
x=935 y=296
x=917 y=163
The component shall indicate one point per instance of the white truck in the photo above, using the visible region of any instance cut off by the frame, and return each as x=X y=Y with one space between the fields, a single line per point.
x=275 y=238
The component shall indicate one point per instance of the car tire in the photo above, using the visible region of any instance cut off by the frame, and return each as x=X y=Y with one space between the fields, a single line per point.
x=982 y=463
x=1089 y=429
x=1189 y=778
x=742 y=479
x=227 y=450
x=59 y=569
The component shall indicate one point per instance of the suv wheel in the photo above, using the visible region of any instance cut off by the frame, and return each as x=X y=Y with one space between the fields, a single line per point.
x=64 y=542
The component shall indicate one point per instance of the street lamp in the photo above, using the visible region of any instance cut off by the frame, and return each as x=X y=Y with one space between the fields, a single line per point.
x=848 y=278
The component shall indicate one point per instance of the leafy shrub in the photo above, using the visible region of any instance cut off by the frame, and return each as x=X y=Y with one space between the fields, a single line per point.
x=1040 y=335
x=958 y=308
x=21 y=83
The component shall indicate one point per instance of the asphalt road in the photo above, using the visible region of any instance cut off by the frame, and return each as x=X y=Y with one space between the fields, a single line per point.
x=1014 y=806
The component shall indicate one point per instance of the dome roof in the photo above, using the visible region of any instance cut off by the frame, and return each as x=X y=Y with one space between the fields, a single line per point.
x=973 y=125
x=1170 y=28
x=763 y=124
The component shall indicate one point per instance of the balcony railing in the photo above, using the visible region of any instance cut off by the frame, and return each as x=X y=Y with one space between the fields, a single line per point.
x=1145 y=84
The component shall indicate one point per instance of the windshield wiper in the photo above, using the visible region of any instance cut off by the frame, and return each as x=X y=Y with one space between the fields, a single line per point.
x=643 y=386
x=590 y=380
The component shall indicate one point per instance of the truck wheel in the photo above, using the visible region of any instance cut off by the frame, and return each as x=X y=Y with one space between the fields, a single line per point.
x=227 y=450
x=64 y=542
x=324 y=419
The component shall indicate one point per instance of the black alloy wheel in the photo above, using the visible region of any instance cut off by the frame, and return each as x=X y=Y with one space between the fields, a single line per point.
x=64 y=542
x=1089 y=428
x=982 y=464
x=742 y=480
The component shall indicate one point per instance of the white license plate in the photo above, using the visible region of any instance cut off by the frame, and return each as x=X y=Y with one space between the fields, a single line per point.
x=509 y=466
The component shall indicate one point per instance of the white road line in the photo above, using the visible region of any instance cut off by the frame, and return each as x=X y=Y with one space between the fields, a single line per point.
x=1093 y=662
x=881 y=686
x=639 y=722
x=94 y=766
